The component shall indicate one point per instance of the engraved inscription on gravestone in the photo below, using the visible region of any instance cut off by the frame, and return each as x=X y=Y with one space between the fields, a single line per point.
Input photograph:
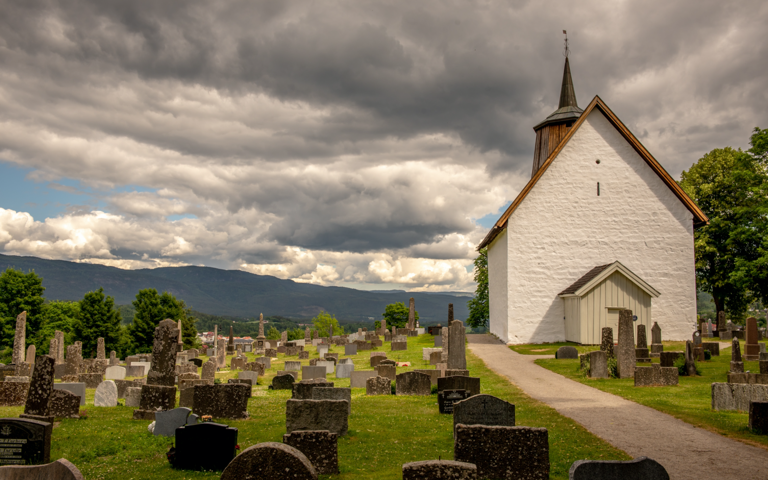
x=24 y=442
x=447 y=398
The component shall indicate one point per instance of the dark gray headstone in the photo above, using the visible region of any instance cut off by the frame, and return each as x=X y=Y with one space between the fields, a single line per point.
x=503 y=452
x=207 y=446
x=447 y=398
x=41 y=386
x=25 y=441
x=168 y=421
x=319 y=446
x=439 y=469
x=413 y=383
x=222 y=401
x=283 y=382
x=459 y=382
x=350 y=349
x=758 y=417
x=270 y=460
x=328 y=415
x=567 y=352
x=641 y=468
x=484 y=410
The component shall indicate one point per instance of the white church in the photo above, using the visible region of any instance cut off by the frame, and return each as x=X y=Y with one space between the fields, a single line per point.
x=600 y=226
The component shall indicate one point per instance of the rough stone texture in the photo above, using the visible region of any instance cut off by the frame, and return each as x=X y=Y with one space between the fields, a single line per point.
x=63 y=404
x=91 y=380
x=444 y=342
x=157 y=397
x=266 y=361
x=727 y=396
x=328 y=415
x=433 y=374
x=237 y=363
x=59 y=337
x=399 y=346
x=713 y=347
x=456 y=373
x=101 y=353
x=758 y=416
x=295 y=375
x=222 y=401
x=411 y=314
x=133 y=396
x=76 y=388
x=439 y=470
x=606 y=344
x=319 y=446
x=567 y=353
x=106 y=394
x=626 y=347
x=503 y=452
x=389 y=371
x=209 y=370
x=303 y=389
x=484 y=410
x=344 y=370
x=328 y=365
x=249 y=375
x=283 y=382
x=255 y=367
x=426 y=353
x=598 y=364
x=20 y=338
x=13 y=394
x=134 y=371
x=310 y=373
x=162 y=371
x=735 y=350
x=375 y=361
x=270 y=460
x=642 y=339
x=413 y=383
x=667 y=359
x=690 y=361
x=656 y=376
x=331 y=393
x=358 y=379
x=459 y=382
x=41 y=386
x=378 y=386
x=30 y=357
x=641 y=468
x=456 y=345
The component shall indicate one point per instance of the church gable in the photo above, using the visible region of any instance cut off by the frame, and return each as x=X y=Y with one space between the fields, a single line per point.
x=597 y=105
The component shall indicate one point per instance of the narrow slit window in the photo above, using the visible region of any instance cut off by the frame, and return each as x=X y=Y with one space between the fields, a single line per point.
x=598 y=189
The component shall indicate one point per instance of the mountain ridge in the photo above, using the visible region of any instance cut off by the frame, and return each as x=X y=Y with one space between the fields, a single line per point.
x=229 y=292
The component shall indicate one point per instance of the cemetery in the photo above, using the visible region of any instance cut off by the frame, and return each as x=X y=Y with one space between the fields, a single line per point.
x=237 y=417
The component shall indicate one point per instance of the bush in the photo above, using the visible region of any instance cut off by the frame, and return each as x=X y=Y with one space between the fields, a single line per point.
x=613 y=367
x=680 y=365
x=585 y=366
x=707 y=355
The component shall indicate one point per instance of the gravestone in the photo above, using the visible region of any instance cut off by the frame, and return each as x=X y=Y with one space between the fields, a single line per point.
x=457 y=345
x=721 y=323
x=53 y=348
x=303 y=389
x=389 y=371
x=106 y=394
x=282 y=382
x=656 y=345
x=690 y=363
x=642 y=354
x=76 y=388
x=328 y=365
x=656 y=376
x=737 y=365
x=100 y=351
x=19 y=339
x=319 y=446
x=328 y=415
x=567 y=352
x=448 y=398
x=344 y=370
x=444 y=341
x=375 y=361
x=25 y=441
x=439 y=470
x=266 y=361
x=303 y=355
x=459 y=382
x=484 y=410
x=350 y=349
x=606 y=344
x=249 y=375
x=518 y=452
x=411 y=314
x=358 y=379
x=209 y=370
x=439 y=340
x=207 y=446
x=626 y=349
x=115 y=373
x=59 y=336
x=269 y=352
x=30 y=358
x=641 y=468
x=696 y=338
x=133 y=396
x=758 y=417
x=378 y=386
x=331 y=393
x=160 y=392
x=413 y=383
x=222 y=401
x=113 y=360
x=91 y=380
x=398 y=346
x=40 y=387
x=270 y=460
x=436 y=357
x=667 y=359
x=153 y=399
x=598 y=364
x=63 y=404
x=168 y=421
x=310 y=373
x=751 y=346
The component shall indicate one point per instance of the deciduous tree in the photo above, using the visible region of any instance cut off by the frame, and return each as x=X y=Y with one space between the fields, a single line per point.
x=478 y=306
x=396 y=315
x=327 y=325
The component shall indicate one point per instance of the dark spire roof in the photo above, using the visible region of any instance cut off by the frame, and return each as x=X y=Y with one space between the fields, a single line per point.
x=568 y=109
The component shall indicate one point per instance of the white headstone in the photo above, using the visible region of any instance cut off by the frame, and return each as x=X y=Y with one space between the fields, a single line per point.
x=114 y=373
x=106 y=394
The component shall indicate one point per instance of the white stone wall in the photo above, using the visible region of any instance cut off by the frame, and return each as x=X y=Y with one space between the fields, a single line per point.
x=563 y=229
x=498 y=290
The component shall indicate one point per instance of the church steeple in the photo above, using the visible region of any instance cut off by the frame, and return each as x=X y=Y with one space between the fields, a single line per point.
x=553 y=129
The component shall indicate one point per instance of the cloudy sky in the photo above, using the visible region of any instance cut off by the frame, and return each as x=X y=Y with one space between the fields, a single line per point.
x=363 y=144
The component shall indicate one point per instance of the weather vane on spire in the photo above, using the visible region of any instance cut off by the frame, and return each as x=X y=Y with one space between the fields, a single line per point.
x=566 y=51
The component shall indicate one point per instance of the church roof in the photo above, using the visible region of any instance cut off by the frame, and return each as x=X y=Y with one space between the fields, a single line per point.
x=699 y=218
x=568 y=108
x=595 y=276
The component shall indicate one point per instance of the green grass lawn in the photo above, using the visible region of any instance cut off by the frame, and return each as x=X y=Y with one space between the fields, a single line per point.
x=689 y=401
x=384 y=431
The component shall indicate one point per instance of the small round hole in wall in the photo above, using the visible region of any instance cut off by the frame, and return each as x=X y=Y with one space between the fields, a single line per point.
x=597 y=161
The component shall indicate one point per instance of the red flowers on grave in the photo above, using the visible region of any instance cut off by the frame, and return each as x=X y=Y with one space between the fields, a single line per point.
x=237 y=447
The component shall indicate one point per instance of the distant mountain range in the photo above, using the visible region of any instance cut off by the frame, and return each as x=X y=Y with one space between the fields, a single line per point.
x=231 y=292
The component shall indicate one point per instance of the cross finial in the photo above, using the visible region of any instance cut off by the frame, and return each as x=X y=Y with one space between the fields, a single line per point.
x=566 y=51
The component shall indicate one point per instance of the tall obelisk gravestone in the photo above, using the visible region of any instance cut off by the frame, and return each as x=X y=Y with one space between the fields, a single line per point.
x=626 y=348
x=411 y=314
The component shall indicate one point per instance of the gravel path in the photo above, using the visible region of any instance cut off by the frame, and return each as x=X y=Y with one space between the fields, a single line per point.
x=685 y=451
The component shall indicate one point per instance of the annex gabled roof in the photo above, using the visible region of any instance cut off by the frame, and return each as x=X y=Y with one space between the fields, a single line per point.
x=699 y=218
x=595 y=276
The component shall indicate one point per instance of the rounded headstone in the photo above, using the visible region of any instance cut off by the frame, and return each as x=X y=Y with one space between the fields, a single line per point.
x=270 y=460
x=106 y=394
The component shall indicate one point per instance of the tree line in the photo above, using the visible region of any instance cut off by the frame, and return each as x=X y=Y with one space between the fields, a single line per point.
x=86 y=320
